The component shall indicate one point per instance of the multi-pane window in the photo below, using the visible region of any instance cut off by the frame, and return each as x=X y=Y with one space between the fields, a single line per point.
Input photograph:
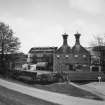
x=76 y=56
x=58 y=56
x=84 y=65
x=66 y=56
x=84 y=56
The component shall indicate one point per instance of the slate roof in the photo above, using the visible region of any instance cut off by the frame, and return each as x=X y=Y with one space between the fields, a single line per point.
x=78 y=49
x=64 y=49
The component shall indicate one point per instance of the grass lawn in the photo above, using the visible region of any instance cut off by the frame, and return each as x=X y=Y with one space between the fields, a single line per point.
x=62 y=88
x=69 y=90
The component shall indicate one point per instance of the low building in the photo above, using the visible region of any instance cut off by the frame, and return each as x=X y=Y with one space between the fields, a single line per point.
x=42 y=57
x=97 y=58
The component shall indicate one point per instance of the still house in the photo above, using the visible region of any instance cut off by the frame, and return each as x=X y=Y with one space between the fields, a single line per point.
x=67 y=59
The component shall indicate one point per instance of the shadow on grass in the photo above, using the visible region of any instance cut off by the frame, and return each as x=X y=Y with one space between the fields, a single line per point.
x=61 y=88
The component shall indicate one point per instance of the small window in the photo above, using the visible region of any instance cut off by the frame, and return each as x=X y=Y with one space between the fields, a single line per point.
x=66 y=56
x=76 y=65
x=39 y=55
x=58 y=56
x=84 y=65
x=75 y=56
x=84 y=56
x=30 y=55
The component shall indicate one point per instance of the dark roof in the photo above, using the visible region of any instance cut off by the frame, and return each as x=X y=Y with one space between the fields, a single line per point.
x=35 y=49
x=64 y=49
x=99 y=48
x=77 y=48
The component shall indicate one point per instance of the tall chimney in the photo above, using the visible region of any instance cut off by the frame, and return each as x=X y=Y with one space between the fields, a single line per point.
x=77 y=37
x=65 y=39
x=65 y=47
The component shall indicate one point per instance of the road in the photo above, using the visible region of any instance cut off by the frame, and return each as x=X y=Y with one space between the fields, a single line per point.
x=52 y=97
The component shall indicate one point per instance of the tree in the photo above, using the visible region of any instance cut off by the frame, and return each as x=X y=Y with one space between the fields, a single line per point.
x=8 y=42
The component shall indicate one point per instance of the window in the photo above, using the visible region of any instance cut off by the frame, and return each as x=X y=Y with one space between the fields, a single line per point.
x=30 y=55
x=84 y=65
x=75 y=56
x=58 y=56
x=66 y=56
x=39 y=55
x=84 y=56
x=78 y=66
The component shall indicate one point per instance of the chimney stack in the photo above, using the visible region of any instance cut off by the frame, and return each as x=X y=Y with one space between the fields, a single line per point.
x=65 y=39
x=77 y=37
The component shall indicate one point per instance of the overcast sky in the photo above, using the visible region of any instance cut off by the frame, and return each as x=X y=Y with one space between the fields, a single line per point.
x=42 y=22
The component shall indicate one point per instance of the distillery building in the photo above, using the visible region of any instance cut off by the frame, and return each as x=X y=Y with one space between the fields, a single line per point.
x=67 y=59
x=61 y=59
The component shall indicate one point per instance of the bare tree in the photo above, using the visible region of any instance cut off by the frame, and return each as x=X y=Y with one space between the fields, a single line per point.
x=99 y=40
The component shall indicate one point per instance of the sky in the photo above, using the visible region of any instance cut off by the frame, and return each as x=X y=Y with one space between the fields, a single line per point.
x=39 y=23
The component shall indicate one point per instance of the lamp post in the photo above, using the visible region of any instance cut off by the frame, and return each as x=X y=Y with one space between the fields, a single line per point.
x=99 y=64
x=99 y=77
